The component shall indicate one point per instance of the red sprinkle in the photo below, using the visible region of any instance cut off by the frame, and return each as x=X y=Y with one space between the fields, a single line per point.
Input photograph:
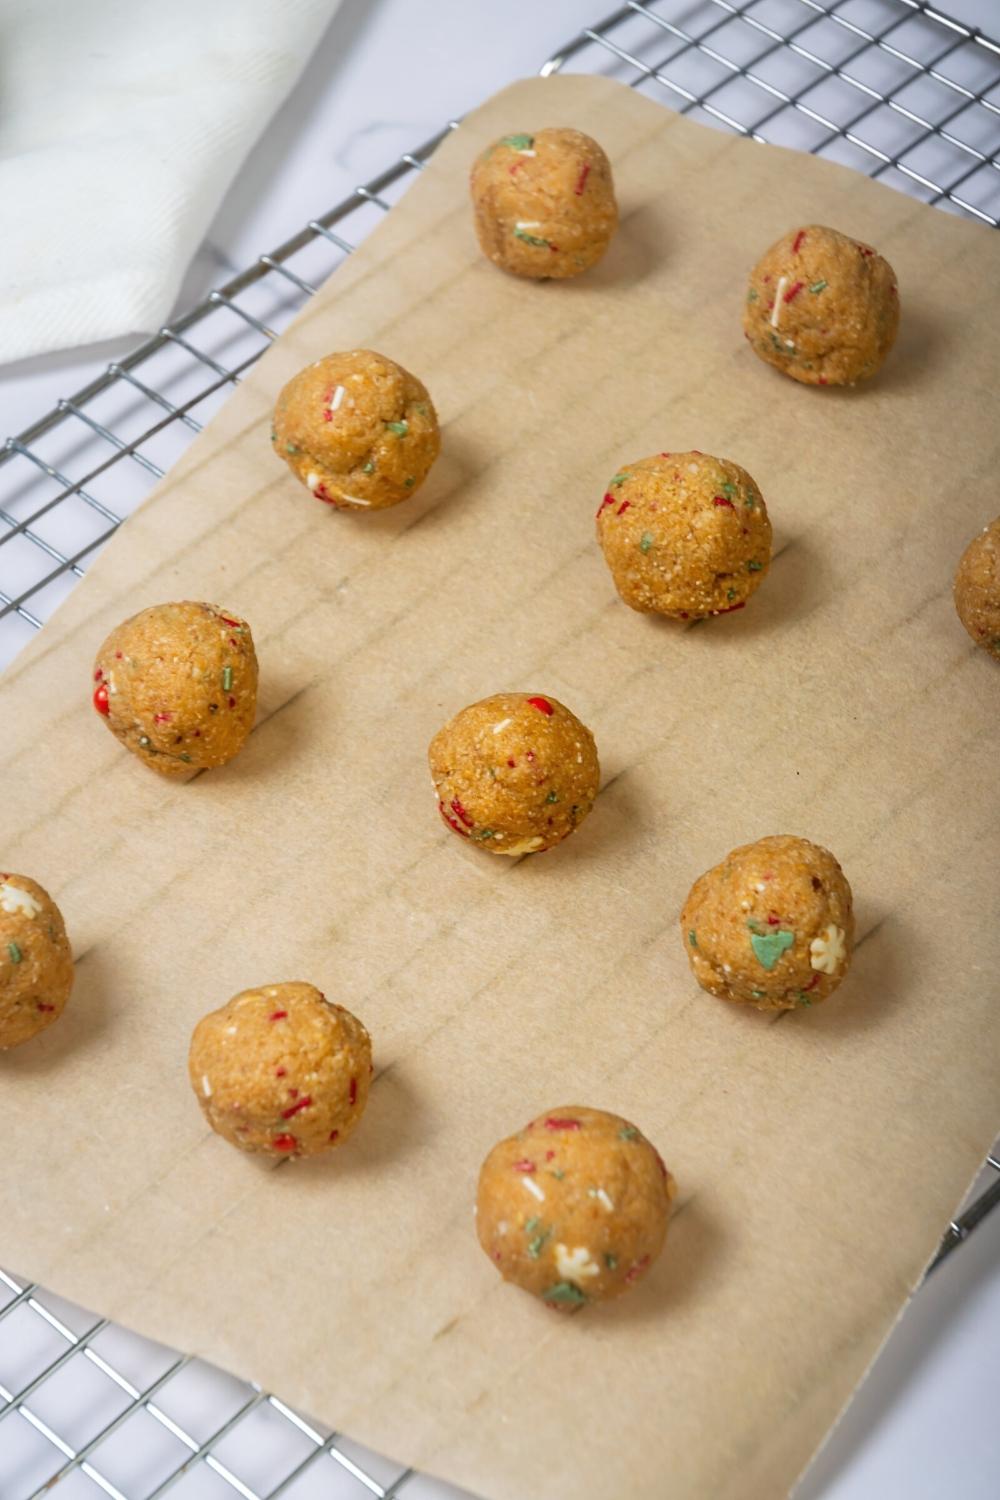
x=798 y=241
x=101 y=699
x=512 y=763
x=278 y=1015
x=352 y=1092
x=766 y=279
x=609 y=499
x=452 y=822
x=529 y=755
x=822 y=381
x=773 y=920
x=623 y=507
x=581 y=180
x=118 y=656
x=793 y=291
x=227 y=621
x=98 y=675
x=322 y=493
x=280 y=1072
x=814 y=981
x=162 y=718
x=524 y=1165
x=294 y=1109
x=866 y=250
x=232 y=702
x=285 y=1143
x=552 y=1123
x=328 y=415
x=637 y=1269
x=334 y=1134
x=731 y=609
x=721 y=500
x=460 y=812
x=544 y=707
x=549 y=1155
x=43 y=1006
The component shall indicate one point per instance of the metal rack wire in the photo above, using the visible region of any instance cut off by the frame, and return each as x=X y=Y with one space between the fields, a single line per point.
x=894 y=88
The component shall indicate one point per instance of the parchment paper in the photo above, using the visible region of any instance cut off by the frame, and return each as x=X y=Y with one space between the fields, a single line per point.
x=819 y=1158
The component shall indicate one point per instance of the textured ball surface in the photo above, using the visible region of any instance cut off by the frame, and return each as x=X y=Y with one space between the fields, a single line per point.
x=36 y=964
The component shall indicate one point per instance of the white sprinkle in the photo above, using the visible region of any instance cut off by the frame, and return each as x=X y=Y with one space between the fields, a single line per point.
x=312 y=480
x=13 y=898
x=533 y=1189
x=745 y=905
x=603 y=1198
x=525 y=846
x=727 y=968
x=502 y=1227
x=206 y=1087
x=572 y=1265
x=789 y=343
x=776 y=310
x=692 y=468
x=760 y=886
x=502 y=725
x=338 y=397
x=353 y=499
x=230 y=1030
x=527 y=153
x=528 y=223
x=828 y=951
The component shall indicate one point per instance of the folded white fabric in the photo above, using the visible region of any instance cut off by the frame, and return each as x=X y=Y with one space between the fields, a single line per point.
x=122 y=124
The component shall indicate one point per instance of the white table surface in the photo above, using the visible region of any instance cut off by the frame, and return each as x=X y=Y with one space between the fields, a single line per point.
x=385 y=77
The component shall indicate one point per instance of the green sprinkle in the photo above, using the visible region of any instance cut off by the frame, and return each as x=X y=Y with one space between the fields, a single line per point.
x=611 y=1261
x=558 y=1174
x=227 y=679
x=421 y=408
x=758 y=994
x=769 y=946
x=530 y=239
x=185 y=757
x=518 y=142
x=628 y=1133
x=291 y=448
x=754 y=567
x=819 y=286
x=535 y=1247
x=693 y=938
x=803 y=998
x=752 y=296
x=484 y=833
x=274 y=436
x=530 y=1225
x=751 y=500
x=728 y=489
x=15 y=953
x=619 y=479
x=368 y=468
x=399 y=428
x=409 y=482
x=730 y=593
x=645 y=541
x=552 y=797
x=564 y=1291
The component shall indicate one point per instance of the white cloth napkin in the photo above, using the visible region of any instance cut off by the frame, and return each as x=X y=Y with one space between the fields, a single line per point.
x=122 y=123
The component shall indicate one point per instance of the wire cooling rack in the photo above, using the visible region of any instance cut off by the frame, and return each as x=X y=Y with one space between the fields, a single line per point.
x=893 y=88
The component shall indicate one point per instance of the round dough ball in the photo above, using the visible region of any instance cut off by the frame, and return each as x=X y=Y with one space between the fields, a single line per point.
x=822 y=307
x=36 y=964
x=358 y=430
x=544 y=204
x=772 y=926
x=177 y=685
x=574 y=1207
x=977 y=588
x=684 y=535
x=281 y=1070
x=515 y=773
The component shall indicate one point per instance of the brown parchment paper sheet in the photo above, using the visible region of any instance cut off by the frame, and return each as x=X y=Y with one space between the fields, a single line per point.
x=818 y=1159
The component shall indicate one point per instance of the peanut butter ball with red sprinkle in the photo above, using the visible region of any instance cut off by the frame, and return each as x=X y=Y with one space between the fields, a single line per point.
x=514 y=773
x=36 y=964
x=574 y=1207
x=177 y=685
x=357 y=430
x=281 y=1070
x=771 y=926
x=822 y=307
x=977 y=588
x=685 y=535
x=544 y=204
